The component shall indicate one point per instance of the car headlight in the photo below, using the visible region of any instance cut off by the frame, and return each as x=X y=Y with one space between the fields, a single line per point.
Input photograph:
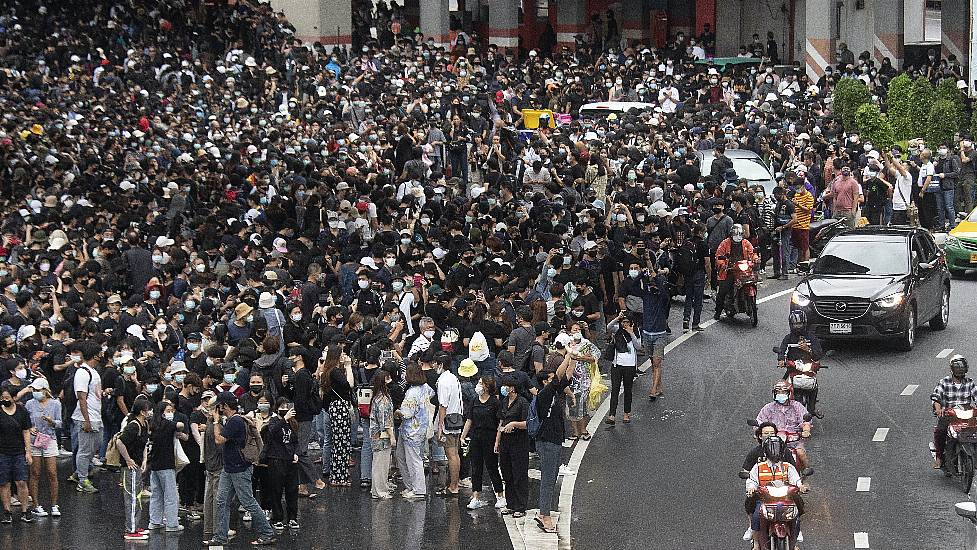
x=951 y=242
x=800 y=299
x=892 y=300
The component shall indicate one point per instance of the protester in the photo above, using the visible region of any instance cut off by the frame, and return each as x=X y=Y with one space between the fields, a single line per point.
x=45 y=412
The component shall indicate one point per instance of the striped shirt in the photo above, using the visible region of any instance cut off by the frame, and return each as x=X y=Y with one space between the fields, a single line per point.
x=804 y=201
x=949 y=393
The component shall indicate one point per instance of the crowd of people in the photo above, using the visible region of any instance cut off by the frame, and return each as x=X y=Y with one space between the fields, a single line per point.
x=243 y=269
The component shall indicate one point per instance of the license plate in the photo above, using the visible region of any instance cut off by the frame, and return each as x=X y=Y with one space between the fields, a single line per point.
x=839 y=328
x=973 y=257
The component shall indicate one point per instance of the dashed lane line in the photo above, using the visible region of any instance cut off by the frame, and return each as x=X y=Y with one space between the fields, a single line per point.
x=910 y=389
x=863 y=485
x=880 y=434
x=861 y=540
x=944 y=354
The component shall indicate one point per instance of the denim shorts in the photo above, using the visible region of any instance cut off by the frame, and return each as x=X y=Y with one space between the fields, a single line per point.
x=13 y=468
x=654 y=344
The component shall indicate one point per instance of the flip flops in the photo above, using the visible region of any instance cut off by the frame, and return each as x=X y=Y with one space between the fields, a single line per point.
x=543 y=528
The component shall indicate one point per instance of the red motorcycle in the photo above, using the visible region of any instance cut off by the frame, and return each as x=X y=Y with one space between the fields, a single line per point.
x=743 y=297
x=961 y=444
x=778 y=512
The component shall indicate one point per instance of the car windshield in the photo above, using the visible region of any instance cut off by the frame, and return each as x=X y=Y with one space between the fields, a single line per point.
x=848 y=257
x=973 y=216
x=750 y=169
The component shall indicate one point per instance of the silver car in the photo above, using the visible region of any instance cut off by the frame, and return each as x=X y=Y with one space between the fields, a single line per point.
x=747 y=164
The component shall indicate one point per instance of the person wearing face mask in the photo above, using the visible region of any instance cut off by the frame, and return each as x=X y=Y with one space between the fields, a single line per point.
x=86 y=417
x=229 y=381
x=301 y=386
x=407 y=301
x=161 y=463
x=948 y=170
x=15 y=442
x=281 y=458
x=131 y=445
x=730 y=251
x=788 y=414
x=45 y=414
x=482 y=423
x=382 y=435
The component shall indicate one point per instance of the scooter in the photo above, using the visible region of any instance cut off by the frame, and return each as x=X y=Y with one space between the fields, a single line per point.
x=778 y=512
x=961 y=445
x=743 y=297
x=802 y=373
x=821 y=231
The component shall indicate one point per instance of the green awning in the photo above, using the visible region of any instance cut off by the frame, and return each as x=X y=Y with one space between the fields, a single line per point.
x=723 y=62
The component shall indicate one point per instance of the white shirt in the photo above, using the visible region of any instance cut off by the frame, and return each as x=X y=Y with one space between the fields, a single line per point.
x=668 y=99
x=449 y=395
x=93 y=385
x=903 y=190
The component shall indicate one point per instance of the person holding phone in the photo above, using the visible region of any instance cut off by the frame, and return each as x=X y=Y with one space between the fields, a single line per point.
x=279 y=435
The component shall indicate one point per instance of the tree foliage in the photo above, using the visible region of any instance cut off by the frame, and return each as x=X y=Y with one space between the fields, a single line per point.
x=850 y=94
x=943 y=122
x=874 y=126
x=899 y=108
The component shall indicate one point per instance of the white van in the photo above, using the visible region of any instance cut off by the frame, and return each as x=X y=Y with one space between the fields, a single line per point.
x=603 y=108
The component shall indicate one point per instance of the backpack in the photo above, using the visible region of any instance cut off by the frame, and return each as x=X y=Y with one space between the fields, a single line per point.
x=252 y=443
x=112 y=456
x=70 y=401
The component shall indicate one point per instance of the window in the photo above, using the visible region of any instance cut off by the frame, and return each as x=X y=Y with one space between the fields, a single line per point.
x=933 y=21
x=542 y=9
x=839 y=13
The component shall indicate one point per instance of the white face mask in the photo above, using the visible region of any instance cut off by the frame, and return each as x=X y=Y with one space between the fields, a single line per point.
x=390 y=261
x=364 y=284
x=479 y=389
x=429 y=334
x=737 y=238
x=398 y=286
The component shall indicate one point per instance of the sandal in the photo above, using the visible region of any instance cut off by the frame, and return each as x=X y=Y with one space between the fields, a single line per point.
x=518 y=514
x=543 y=528
x=585 y=436
x=609 y=420
x=627 y=418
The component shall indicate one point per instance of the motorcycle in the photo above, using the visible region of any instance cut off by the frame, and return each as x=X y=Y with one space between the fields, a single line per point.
x=743 y=297
x=778 y=512
x=821 y=231
x=961 y=445
x=802 y=373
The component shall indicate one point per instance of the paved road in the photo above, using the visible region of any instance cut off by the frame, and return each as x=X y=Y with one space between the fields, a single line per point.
x=668 y=480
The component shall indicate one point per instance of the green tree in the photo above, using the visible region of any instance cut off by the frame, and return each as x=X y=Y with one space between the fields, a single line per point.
x=899 y=108
x=923 y=97
x=947 y=89
x=874 y=126
x=943 y=122
x=850 y=94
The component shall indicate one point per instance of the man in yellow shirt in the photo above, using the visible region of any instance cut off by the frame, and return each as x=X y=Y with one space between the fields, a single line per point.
x=803 y=206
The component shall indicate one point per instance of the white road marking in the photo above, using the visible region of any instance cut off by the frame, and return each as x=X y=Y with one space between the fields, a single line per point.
x=861 y=540
x=519 y=542
x=944 y=354
x=863 y=485
x=880 y=434
x=910 y=389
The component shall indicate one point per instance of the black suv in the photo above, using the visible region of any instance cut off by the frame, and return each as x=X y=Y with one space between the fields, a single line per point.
x=876 y=282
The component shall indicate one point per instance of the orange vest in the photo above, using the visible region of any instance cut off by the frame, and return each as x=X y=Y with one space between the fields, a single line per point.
x=767 y=474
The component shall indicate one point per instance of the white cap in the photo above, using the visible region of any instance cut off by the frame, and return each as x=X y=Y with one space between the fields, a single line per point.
x=163 y=240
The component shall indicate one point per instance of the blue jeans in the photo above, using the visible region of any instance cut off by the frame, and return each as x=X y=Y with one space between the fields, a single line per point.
x=366 y=451
x=550 y=458
x=695 y=287
x=788 y=254
x=164 y=504
x=945 y=209
x=324 y=427
x=240 y=485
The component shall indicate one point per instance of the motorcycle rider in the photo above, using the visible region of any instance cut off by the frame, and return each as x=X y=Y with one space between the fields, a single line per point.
x=733 y=249
x=954 y=390
x=772 y=468
x=789 y=415
x=801 y=343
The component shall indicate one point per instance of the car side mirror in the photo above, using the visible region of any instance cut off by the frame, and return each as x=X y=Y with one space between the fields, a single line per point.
x=966 y=510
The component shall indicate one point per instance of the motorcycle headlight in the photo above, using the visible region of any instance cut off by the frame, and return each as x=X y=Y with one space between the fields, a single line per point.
x=951 y=242
x=800 y=299
x=743 y=266
x=892 y=300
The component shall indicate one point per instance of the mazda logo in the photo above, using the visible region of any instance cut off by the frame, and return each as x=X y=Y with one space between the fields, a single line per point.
x=841 y=306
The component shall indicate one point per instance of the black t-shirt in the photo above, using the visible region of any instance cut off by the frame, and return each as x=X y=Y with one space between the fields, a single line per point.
x=12 y=428
x=161 y=454
x=134 y=436
x=484 y=417
x=552 y=429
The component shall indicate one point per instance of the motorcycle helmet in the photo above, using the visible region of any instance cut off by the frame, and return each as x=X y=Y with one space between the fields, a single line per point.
x=958 y=365
x=773 y=448
x=736 y=233
x=797 y=320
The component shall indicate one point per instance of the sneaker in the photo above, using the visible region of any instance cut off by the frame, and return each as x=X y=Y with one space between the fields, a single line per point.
x=86 y=487
x=39 y=511
x=685 y=326
x=279 y=526
x=73 y=478
x=748 y=535
x=64 y=452
x=564 y=471
x=155 y=526
x=175 y=529
x=697 y=327
x=215 y=542
x=14 y=501
x=136 y=535
x=500 y=502
x=411 y=495
x=192 y=515
x=314 y=446
x=293 y=524
x=7 y=518
x=27 y=517
x=475 y=504
x=466 y=483
x=264 y=541
x=800 y=536
x=246 y=517
x=97 y=461
x=55 y=511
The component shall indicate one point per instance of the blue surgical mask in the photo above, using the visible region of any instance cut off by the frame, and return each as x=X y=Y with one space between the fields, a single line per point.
x=154 y=294
x=180 y=377
x=551 y=272
x=167 y=377
x=781 y=398
x=504 y=391
x=193 y=346
x=151 y=388
x=38 y=395
x=229 y=378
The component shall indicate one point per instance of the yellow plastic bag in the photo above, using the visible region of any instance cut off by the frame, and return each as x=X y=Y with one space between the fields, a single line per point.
x=597 y=387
